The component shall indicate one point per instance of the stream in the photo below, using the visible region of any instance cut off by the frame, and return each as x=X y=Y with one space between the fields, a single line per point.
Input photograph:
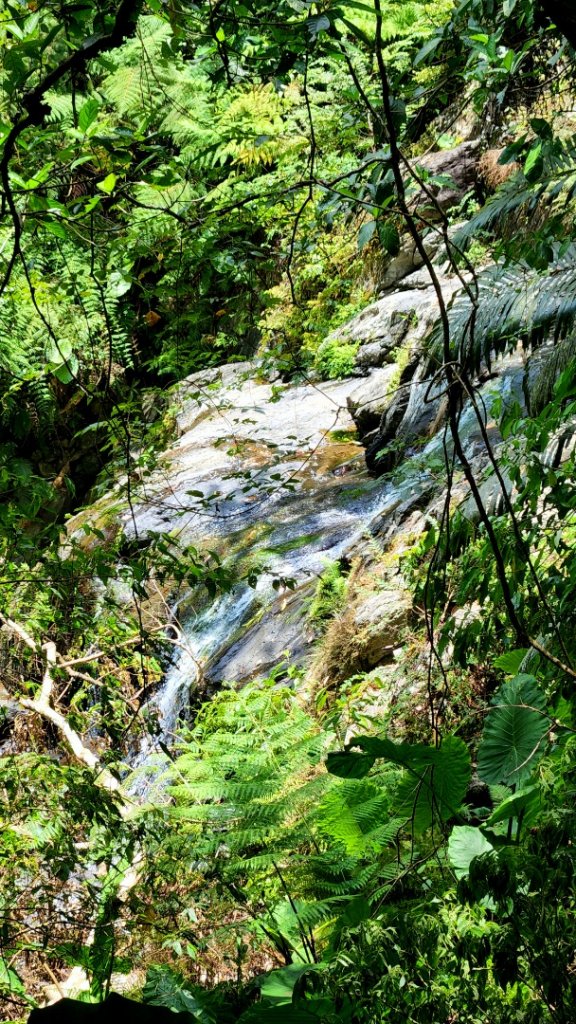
x=272 y=477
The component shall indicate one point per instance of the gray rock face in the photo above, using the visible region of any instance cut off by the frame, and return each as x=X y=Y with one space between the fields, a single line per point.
x=406 y=270
x=423 y=406
x=240 y=439
x=370 y=399
x=403 y=317
x=459 y=164
x=386 y=324
x=381 y=620
x=396 y=399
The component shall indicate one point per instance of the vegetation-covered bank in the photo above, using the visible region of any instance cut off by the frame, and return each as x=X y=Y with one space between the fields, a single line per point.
x=366 y=201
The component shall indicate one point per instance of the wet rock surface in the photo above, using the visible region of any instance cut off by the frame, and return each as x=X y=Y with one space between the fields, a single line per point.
x=282 y=634
x=402 y=316
x=272 y=477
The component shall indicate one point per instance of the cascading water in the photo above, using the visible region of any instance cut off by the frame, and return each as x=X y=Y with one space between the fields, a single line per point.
x=268 y=476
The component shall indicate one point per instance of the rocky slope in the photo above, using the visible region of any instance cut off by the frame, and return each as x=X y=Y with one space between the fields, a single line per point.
x=273 y=478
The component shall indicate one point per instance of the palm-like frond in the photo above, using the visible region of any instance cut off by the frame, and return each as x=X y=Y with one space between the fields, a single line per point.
x=513 y=303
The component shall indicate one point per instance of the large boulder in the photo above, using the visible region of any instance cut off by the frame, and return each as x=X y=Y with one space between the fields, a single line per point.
x=399 y=319
x=381 y=621
x=458 y=171
x=396 y=400
x=369 y=400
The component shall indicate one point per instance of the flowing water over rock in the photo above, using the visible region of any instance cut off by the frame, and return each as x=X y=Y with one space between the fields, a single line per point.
x=272 y=476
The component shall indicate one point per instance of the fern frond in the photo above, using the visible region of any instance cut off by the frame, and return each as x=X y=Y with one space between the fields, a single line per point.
x=61 y=108
x=44 y=402
x=125 y=88
x=513 y=303
x=356 y=813
x=511 y=196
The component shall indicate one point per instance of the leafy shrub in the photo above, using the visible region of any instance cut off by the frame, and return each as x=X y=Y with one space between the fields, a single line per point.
x=335 y=358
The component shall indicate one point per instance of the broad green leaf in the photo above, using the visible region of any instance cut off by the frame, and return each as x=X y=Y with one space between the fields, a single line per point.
x=429 y=48
x=278 y=986
x=347 y=764
x=366 y=232
x=511 y=661
x=514 y=733
x=436 y=784
x=533 y=161
x=118 y=284
x=526 y=801
x=58 y=352
x=389 y=237
x=67 y=371
x=357 y=911
x=9 y=980
x=88 y=114
x=541 y=127
x=55 y=228
x=318 y=24
x=465 y=843
x=108 y=184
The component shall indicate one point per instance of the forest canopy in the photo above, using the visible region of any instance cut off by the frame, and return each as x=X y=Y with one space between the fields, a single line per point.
x=230 y=183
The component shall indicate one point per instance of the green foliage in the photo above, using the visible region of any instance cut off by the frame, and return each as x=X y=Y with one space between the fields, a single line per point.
x=42 y=858
x=515 y=301
x=464 y=845
x=329 y=595
x=433 y=784
x=513 y=733
x=335 y=358
x=218 y=181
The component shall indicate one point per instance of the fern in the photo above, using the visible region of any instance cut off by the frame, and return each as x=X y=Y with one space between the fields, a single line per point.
x=261 y=814
x=356 y=814
x=44 y=402
x=514 y=302
x=136 y=81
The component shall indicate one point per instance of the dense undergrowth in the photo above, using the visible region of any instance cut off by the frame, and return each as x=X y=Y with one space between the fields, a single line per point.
x=219 y=181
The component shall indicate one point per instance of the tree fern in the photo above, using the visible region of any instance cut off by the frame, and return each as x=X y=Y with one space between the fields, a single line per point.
x=135 y=79
x=357 y=814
